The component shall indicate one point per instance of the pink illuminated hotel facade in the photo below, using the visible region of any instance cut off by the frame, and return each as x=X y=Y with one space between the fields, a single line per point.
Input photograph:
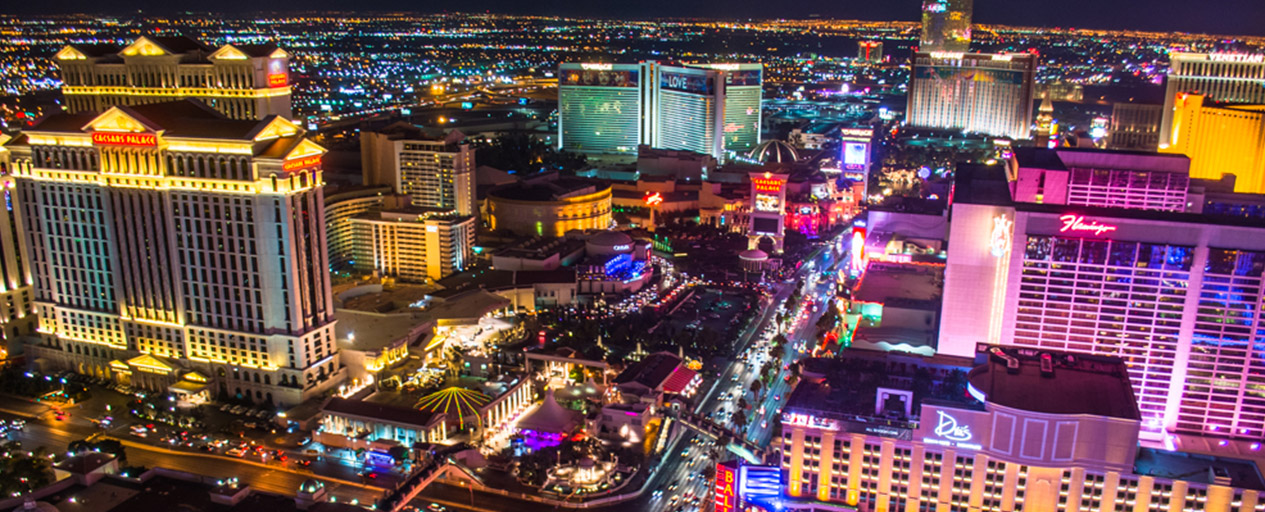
x=1114 y=254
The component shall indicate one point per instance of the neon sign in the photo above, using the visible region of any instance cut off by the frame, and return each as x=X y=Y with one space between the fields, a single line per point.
x=767 y=184
x=1001 y=237
x=948 y=428
x=1235 y=57
x=654 y=199
x=277 y=80
x=301 y=163
x=858 y=250
x=1073 y=223
x=857 y=132
x=724 y=488
x=125 y=139
x=591 y=66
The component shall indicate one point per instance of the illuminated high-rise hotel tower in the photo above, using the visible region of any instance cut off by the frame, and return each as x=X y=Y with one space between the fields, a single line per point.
x=240 y=81
x=611 y=109
x=177 y=250
x=946 y=26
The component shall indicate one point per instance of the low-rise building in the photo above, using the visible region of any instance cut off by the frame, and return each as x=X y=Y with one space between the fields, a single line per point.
x=416 y=245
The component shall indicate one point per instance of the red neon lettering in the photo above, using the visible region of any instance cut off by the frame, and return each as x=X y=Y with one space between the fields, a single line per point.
x=767 y=184
x=301 y=163
x=1077 y=223
x=724 y=489
x=277 y=80
x=125 y=139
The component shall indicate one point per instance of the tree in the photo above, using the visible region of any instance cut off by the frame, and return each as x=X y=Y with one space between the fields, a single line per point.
x=755 y=387
x=399 y=452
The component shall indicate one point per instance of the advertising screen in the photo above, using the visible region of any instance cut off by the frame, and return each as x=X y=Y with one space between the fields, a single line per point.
x=697 y=84
x=855 y=154
x=760 y=485
x=604 y=78
x=764 y=226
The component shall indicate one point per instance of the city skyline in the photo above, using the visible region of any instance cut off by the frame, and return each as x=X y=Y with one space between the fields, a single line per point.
x=1161 y=15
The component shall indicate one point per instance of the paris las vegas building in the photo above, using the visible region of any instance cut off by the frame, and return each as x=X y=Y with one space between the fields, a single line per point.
x=173 y=247
x=1118 y=253
x=611 y=109
x=1007 y=429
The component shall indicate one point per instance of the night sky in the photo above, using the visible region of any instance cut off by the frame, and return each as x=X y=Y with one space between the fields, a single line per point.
x=1231 y=17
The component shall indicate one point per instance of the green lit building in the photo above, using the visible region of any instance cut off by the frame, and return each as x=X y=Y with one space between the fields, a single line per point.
x=610 y=109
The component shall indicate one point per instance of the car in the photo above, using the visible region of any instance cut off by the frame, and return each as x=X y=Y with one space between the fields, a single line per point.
x=777 y=398
x=236 y=452
x=435 y=507
x=764 y=424
x=303 y=462
x=18 y=424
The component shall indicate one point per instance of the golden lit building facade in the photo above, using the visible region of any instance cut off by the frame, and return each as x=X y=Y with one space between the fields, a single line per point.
x=340 y=207
x=240 y=81
x=416 y=246
x=17 y=313
x=1055 y=435
x=434 y=173
x=1219 y=76
x=549 y=207
x=171 y=245
x=1219 y=139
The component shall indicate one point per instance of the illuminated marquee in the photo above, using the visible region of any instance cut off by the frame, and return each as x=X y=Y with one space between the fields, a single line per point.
x=864 y=133
x=277 y=80
x=767 y=184
x=125 y=139
x=766 y=203
x=858 y=250
x=654 y=199
x=301 y=163
x=1074 y=223
x=595 y=66
x=724 y=488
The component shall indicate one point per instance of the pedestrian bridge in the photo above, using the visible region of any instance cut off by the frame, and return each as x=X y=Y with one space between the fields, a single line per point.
x=738 y=443
x=440 y=464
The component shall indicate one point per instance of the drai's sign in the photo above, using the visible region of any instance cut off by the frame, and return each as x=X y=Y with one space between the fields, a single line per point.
x=951 y=434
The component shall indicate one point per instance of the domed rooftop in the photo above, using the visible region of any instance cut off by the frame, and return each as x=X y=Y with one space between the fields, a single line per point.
x=753 y=255
x=610 y=239
x=311 y=486
x=774 y=152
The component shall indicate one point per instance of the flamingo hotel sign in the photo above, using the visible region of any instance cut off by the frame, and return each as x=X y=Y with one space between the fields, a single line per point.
x=1077 y=223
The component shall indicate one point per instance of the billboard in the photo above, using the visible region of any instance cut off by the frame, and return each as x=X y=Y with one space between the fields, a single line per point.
x=765 y=226
x=760 y=485
x=855 y=155
x=953 y=73
x=696 y=84
x=744 y=77
x=600 y=77
x=726 y=493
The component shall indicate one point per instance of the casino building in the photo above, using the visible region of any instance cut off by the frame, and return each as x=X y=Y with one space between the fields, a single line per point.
x=611 y=109
x=240 y=81
x=1093 y=253
x=173 y=248
x=973 y=92
x=1008 y=429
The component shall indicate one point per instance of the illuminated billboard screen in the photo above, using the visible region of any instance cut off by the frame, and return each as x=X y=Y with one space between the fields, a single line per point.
x=954 y=73
x=855 y=154
x=697 y=84
x=764 y=226
x=760 y=485
x=604 y=78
